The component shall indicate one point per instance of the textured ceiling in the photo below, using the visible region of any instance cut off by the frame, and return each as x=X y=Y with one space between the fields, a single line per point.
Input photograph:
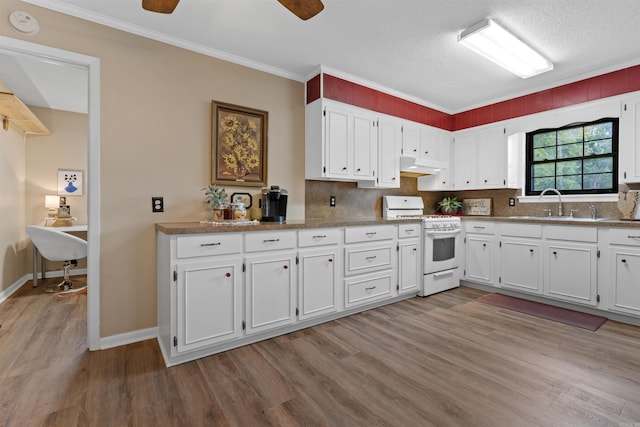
x=407 y=46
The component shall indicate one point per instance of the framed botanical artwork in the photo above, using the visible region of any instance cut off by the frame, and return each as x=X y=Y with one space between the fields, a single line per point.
x=70 y=183
x=242 y=198
x=239 y=145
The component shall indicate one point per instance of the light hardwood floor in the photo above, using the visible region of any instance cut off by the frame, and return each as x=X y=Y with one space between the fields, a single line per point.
x=446 y=360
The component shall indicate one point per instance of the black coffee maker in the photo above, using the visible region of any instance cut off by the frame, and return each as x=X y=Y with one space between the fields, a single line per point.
x=274 y=204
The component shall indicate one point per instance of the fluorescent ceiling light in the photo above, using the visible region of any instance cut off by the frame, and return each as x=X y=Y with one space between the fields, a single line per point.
x=495 y=43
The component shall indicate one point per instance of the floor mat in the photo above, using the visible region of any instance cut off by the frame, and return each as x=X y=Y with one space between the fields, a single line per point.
x=545 y=311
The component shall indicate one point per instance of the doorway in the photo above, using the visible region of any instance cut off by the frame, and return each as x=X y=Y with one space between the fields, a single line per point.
x=91 y=65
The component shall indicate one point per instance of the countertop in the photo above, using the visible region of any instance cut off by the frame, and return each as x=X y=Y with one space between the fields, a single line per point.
x=558 y=221
x=205 y=227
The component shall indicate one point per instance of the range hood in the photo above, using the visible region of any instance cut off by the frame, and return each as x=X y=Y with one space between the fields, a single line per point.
x=414 y=167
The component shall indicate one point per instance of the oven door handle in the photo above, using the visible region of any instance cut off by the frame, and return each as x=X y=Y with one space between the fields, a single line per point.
x=442 y=234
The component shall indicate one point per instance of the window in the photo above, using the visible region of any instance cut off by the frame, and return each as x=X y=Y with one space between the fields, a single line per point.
x=580 y=158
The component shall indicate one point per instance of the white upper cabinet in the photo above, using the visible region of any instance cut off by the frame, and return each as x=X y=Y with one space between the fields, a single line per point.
x=629 y=141
x=389 y=149
x=411 y=139
x=487 y=158
x=341 y=142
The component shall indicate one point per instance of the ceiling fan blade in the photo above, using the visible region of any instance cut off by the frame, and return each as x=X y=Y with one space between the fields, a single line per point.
x=303 y=9
x=160 y=6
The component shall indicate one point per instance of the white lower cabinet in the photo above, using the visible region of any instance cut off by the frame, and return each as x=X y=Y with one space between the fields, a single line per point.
x=624 y=270
x=571 y=264
x=481 y=254
x=409 y=258
x=318 y=279
x=209 y=303
x=521 y=257
x=270 y=292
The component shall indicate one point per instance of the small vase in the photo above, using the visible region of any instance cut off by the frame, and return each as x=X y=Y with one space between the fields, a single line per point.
x=218 y=214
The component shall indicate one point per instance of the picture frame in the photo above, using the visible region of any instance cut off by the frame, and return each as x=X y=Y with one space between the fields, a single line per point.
x=480 y=207
x=242 y=198
x=70 y=182
x=239 y=145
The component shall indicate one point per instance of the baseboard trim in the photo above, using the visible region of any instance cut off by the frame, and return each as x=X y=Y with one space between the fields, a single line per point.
x=14 y=287
x=128 y=338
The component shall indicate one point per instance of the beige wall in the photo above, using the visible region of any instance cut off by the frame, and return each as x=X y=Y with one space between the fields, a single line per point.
x=13 y=241
x=155 y=141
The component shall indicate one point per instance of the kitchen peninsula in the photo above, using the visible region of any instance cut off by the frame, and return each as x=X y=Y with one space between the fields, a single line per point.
x=224 y=286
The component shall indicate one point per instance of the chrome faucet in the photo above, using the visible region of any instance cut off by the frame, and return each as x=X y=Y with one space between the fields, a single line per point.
x=559 y=198
x=594 y=213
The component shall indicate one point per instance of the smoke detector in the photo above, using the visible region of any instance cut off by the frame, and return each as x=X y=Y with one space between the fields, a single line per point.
x=24 y=23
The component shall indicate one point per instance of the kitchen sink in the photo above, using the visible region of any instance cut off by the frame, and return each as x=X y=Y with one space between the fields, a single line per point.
x=558 y=218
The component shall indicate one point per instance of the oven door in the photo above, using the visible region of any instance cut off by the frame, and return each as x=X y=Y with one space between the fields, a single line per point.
x=441 y=250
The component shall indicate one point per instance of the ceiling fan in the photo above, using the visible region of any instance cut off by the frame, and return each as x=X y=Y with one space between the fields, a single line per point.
x=303 y=9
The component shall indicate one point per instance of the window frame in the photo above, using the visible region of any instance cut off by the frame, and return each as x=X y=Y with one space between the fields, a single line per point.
x=529 y=162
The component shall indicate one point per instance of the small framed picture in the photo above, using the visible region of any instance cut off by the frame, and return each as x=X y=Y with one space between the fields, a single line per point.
x=70 y=183
x=242 y=198
x=64 y=212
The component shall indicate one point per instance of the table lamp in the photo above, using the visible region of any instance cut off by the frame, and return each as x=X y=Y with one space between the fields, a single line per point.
x=52 y=203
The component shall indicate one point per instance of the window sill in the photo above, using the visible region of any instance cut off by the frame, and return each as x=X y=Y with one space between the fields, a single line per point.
x=612 y=197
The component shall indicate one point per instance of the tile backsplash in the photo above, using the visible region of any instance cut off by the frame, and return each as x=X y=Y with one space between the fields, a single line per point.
x=354 y=202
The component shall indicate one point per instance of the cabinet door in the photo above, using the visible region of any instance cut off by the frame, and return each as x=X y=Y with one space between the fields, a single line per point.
x=492 y=158
x=625 y=274
x=208 y=303
x=270 y=301
x=630 y=141
x=365 y=141
x=521 y=265
x=480 y=255
x=410 y=267
x=318 y=279
x=571 y=272
x=389 y=142
x=430 y=141
x=410 y=140
x=465 y=162
x=337 y=142
x=442 y=179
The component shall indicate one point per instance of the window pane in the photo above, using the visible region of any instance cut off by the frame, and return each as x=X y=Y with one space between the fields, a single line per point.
x=569 y=136
x=601 y=146
x=542 y=154
x=540 y=184
x=602 y=181
x=544 y=139
x=569 y=182
x=573 y=167
x=599 y=131
x=602 y=164
x=568 y=151
x=544 y=169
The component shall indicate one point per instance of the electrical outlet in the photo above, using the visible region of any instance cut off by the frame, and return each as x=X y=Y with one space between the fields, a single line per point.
x=157 y=204
x=512 y=201
x=332 y=201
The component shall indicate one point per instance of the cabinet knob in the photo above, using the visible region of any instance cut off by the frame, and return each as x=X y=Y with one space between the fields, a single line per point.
x=467 y=182
x=426 y=152
x=330 y=259
x=358 y=170
x=415 y=150
x=344 y=168
x=484 y=245
x=485 y=181
x=555 y=253
x=531 y=250
x=228 y=274
x=285 y=266
x=623 y=260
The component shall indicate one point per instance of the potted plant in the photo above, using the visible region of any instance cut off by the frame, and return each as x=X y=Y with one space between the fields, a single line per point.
x=217 y=198
x=449 y=205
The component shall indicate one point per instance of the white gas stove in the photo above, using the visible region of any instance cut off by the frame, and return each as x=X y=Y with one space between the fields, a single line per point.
x=441 y=242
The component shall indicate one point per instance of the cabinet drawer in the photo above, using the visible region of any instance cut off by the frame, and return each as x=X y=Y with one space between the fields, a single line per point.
x=258 y=242
x=521 y=230
x=361 y=260
x=369 y=234
x=409 y=230
x=208 y=244
x=624 y=236
x=480 y=227
x=576 y=234
x=365 y=289
x=318 y=237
